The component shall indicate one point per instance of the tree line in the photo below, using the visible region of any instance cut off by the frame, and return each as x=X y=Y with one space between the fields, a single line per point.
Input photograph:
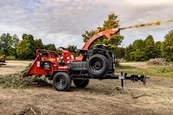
x=139 y=50
x=10 y=45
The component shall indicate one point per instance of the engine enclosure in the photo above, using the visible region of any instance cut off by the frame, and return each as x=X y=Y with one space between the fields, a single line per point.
x=81 y=67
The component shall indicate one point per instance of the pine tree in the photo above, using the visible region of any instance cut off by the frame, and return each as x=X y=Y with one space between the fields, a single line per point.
x=167 y=46
x=150 y=49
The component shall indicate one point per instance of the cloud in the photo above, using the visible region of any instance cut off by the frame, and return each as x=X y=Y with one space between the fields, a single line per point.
x=148 y=2
x=63 y=21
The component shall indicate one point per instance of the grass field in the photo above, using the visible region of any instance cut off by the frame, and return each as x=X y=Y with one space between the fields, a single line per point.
x=142 y=67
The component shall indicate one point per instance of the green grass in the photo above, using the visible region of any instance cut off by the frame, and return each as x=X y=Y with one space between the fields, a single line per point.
x=10 y=58
x=157 y=71
x=125 y=67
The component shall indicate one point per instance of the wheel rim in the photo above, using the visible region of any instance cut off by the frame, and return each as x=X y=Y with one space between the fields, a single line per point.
x=96 y=65
x=61 y=81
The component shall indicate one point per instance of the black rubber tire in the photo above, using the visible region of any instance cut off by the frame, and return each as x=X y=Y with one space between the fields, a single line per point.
x=97 y=65
x=81 y=83
x=61 y=81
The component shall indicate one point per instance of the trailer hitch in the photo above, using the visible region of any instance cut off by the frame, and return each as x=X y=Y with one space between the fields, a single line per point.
x=133 y=78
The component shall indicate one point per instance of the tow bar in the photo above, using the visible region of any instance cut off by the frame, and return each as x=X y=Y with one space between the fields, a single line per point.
x=133 y=78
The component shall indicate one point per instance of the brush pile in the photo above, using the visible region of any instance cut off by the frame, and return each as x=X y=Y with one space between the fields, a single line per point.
x=157 y=61
x=18 y=81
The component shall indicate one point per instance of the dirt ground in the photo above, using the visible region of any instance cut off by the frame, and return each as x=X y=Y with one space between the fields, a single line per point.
x=100 y=97
x=10 y=67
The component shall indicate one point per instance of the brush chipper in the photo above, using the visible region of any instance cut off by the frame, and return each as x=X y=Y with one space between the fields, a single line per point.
x=95 y=63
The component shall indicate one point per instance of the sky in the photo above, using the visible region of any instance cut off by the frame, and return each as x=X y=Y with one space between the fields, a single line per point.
x=62 y=22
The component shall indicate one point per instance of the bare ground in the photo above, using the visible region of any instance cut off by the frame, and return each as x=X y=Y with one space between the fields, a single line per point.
x=100 y=97
x=10 y=67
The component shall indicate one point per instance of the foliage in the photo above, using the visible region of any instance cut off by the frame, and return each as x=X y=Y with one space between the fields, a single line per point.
x=8 y=44
x=128 y=50
x=158 y=49
x=38 y=44
x=119 y=52
x=116 y=39
x=24 y=50
x=137 y=51
x=167 y=46
x=50 y=47
x=27 y=46
x=74 y=49
x=141 y=50
x=138 y=55
x=150 y=49
x=138 y=44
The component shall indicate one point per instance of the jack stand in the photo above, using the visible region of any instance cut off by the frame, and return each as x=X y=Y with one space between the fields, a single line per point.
x=122 y=82
x=122 y=77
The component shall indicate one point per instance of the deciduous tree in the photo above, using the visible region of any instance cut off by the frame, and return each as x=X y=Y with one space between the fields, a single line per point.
x=8 y=44
x=50 y=47
x=27 y=46
x=116 y=39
